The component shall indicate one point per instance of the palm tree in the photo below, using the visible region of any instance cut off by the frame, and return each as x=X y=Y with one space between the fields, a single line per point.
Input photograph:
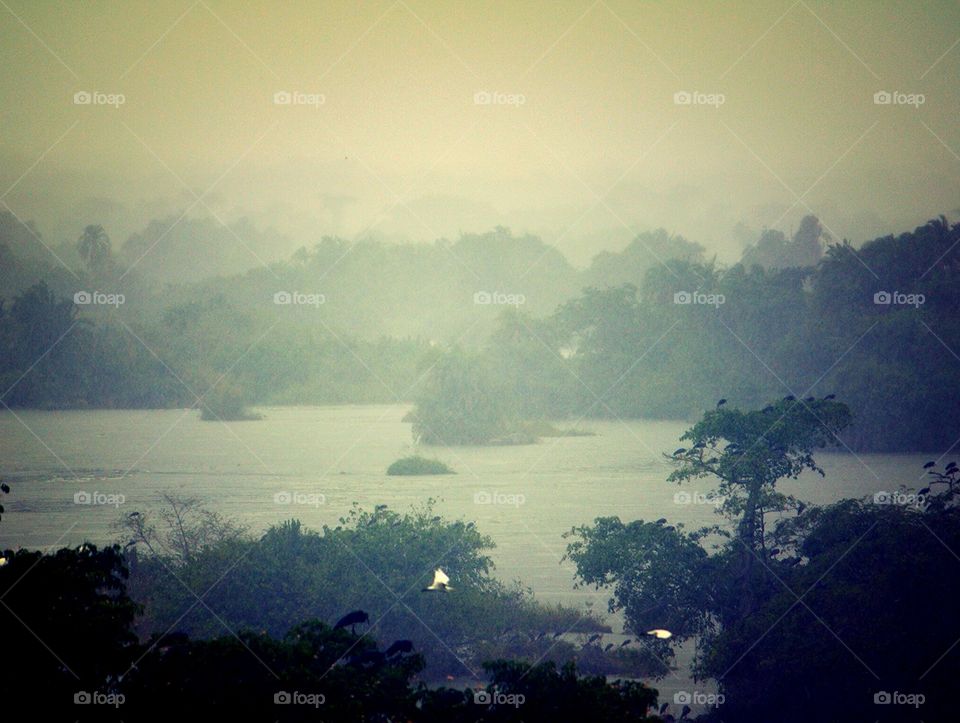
x=94 y=246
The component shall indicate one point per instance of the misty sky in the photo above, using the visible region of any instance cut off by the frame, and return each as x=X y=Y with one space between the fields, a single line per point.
x=583 y=143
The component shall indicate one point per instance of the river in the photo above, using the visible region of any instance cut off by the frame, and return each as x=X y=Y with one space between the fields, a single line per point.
x=327 y=458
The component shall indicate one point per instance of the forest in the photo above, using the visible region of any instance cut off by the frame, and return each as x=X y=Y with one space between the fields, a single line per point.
x=656 y=330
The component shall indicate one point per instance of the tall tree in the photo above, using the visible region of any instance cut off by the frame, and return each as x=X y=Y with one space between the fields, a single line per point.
x=94 y=246
x=749 y=452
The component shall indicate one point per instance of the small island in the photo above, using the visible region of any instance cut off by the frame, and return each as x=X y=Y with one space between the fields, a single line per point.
x=466 y=402
x=417 y=465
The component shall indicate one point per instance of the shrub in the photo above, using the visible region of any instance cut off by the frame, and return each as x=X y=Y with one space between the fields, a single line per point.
x=417 y=465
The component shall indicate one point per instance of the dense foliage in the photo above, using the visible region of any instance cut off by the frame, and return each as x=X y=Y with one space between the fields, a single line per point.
x=66 y=623
x=655 y=330
x=463 y=402
x=811 y=609
x=417 y=465
x=69 y=645
x=874 y=325
x=378 y=561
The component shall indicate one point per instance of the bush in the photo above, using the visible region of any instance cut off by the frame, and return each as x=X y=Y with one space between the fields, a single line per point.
x=377 y=561
x=67 y=633
x=417 y=465
x=74 y=602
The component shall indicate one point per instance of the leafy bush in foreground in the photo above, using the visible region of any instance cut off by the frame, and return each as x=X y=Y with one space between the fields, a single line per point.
x=377 y=561
x=67 y=637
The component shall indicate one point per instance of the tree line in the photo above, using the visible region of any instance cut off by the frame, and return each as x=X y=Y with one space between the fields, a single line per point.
x=656 y=330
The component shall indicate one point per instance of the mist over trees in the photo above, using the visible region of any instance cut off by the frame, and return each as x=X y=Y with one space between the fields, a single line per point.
x=691 y=332
x=774 y=250
x=656 y=330
x=177 y=250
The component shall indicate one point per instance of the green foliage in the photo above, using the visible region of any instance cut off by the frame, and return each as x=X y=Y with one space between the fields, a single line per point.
x=67 y=633
x=179 y=249
x=657 y=570
x=357 y=682
x=462 y=403
x=377 y=561
x=647 y=250
x=542 y=693
x=823 y=610
x=773 y=250
x=417 y=465
x=346 y=675
x=631 y=351
x=759 y=448
x=180 y=530
x=94 y=246
x=871 y=578
x=622 y=348
x=653 y=569
x=75 y=602
x=73 y=360
x=527 y=355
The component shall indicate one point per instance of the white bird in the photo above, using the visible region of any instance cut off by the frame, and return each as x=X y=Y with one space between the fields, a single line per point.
x=660 y=633
x=439 y=583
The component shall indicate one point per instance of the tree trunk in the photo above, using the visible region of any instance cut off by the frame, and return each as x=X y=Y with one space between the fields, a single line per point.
x=748 y=537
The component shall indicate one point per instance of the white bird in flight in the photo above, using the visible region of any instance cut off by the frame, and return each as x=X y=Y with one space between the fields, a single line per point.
x=660 y=633
x=439 y=583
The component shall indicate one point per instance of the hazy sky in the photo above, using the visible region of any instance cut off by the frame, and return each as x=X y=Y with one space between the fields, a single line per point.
x=583 y=137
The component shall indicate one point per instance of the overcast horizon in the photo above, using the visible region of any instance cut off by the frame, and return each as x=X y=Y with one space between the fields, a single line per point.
x=581 y=138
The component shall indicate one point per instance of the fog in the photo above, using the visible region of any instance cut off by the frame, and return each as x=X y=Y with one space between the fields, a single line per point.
x=480 y=361
x=592 y=145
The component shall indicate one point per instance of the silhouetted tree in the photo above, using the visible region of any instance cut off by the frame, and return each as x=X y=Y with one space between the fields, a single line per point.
x=94 y=246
